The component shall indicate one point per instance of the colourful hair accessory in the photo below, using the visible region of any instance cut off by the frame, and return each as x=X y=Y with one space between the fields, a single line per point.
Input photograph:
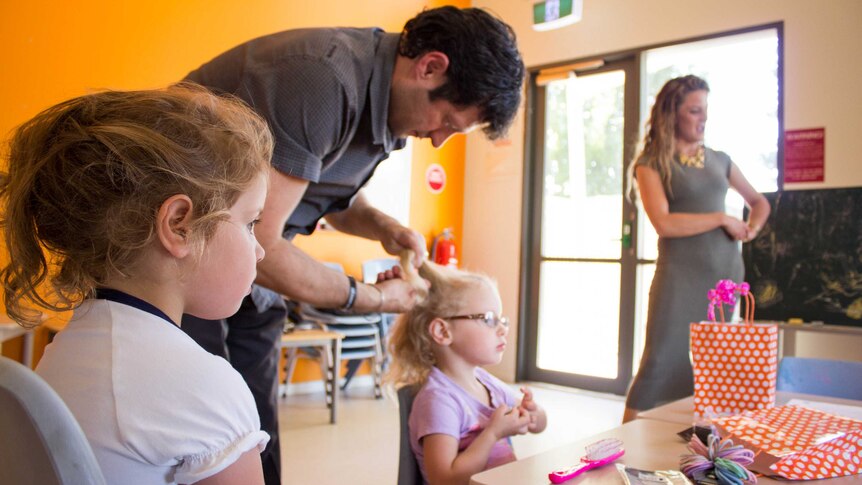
x=725 y=293
x=720 y=460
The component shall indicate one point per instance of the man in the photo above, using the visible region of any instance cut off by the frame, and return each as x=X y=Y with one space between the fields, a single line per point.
x=338 y=102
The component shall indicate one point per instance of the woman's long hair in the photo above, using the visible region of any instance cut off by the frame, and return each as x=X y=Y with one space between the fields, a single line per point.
x=657 y=148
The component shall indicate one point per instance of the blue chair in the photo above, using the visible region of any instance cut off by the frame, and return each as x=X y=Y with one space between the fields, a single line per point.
x=820 y=377
x=40 y=439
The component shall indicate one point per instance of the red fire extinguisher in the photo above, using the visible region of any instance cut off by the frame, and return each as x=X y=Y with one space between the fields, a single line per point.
x=443 y=249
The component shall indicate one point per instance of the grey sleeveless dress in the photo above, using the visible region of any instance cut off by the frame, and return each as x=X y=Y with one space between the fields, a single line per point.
x=686 y=269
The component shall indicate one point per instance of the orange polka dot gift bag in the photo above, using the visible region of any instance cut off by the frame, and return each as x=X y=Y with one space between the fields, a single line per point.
x=734 y=364
x=799 y=443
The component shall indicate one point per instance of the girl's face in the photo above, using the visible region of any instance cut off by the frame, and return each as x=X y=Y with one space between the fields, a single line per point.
x=478 y=341
x=691 y=117
x=228 y=265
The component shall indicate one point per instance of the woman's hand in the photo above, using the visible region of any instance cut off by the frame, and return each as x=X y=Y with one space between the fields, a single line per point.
x=736 y=229
x=751 y=233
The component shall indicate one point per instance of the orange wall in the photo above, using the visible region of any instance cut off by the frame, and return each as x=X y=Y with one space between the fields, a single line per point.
x=51 y=51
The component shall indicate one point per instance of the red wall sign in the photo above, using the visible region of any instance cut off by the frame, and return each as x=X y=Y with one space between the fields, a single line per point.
x=435 y=178
x=803 y=155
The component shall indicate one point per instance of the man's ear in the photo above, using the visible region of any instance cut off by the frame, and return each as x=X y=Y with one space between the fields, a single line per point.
x=172 y=225
x=431 y=67
x=440 y=331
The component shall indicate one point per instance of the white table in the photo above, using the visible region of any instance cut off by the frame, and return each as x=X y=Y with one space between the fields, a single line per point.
x=649 y=445
x=682 y=411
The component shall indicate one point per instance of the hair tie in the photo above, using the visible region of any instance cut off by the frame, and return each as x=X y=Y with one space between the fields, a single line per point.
x=720 y=460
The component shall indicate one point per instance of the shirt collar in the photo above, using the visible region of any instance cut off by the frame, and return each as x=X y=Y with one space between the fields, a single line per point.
x=132 y=301
x=378 y=92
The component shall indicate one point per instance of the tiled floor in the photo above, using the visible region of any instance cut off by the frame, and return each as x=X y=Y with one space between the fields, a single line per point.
x=363 y=447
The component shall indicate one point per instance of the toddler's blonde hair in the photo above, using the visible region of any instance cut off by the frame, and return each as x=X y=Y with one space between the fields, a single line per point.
x=410 y=344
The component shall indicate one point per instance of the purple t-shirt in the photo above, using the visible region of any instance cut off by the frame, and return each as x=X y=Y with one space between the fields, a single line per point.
x=442 y=406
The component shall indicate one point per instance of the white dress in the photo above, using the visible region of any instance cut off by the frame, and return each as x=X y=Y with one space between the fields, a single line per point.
x=155 y=406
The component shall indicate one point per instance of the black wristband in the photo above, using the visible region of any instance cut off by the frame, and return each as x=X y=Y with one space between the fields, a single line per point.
x=351 y=294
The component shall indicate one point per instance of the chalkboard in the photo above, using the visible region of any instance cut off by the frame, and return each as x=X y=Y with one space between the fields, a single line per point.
x=807 y=261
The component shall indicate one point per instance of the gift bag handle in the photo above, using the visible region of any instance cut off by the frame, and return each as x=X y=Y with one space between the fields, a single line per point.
x=725 y=292
x=749 y=307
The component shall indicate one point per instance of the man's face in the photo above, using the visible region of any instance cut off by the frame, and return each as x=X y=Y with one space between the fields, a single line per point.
x=414 y=114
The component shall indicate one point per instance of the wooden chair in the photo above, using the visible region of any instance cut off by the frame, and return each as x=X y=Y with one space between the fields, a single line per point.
x=328 y=346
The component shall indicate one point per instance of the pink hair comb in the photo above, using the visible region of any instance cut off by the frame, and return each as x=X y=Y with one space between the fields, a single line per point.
x=598 y=454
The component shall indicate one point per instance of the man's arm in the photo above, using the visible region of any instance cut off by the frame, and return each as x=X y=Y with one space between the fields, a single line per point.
x=364 y=220
x=288 y=270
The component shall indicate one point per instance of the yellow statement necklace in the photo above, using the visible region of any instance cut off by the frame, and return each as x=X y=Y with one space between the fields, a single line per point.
x=695 y=160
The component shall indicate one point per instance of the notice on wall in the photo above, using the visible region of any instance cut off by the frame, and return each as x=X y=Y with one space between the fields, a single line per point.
x=435 y=178
x=803 y=155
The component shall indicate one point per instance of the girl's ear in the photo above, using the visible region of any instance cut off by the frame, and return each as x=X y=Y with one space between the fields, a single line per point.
x=440 y=331
x=172 y=225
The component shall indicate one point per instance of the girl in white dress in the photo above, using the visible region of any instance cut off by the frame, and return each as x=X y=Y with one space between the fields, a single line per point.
x=132 y=208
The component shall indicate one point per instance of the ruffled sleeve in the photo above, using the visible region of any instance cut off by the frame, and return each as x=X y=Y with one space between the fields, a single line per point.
x=182 y=408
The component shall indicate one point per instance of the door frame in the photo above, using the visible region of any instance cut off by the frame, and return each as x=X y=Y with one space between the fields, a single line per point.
x=532 y=238
x=531 y=214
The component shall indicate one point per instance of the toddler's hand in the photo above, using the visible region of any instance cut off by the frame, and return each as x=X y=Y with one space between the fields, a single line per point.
x=529 y=406
x=506 y=422
x=527 y=403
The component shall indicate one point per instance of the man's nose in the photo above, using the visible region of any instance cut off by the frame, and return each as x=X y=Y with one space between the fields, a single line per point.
x=439 y=137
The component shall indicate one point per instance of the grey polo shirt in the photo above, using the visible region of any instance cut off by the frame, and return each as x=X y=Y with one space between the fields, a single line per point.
x=325 y=95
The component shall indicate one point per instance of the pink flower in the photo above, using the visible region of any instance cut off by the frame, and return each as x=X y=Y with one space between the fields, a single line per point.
x=725 y=293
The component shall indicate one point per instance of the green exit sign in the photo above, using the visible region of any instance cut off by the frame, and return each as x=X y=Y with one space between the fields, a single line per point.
x=552 y=14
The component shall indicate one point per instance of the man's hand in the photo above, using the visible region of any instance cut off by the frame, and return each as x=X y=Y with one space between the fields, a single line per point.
x=397 y=238
x=399 y=295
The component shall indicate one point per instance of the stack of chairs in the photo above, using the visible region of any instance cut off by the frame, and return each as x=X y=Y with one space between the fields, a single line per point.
x=370 y=270
x=362 y=338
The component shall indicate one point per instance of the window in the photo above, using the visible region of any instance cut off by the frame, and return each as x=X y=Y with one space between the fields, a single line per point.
x=393 y=172
x=742 y=72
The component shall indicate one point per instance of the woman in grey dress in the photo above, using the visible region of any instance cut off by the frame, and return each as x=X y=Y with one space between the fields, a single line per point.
x=682 y=185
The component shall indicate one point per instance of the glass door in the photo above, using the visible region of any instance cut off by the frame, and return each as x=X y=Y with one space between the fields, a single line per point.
x=583 y=265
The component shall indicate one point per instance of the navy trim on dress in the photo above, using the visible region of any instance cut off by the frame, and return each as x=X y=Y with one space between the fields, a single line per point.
x=132 y=301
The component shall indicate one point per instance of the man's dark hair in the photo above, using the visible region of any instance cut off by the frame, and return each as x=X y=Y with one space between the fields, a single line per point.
x=485 y=67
